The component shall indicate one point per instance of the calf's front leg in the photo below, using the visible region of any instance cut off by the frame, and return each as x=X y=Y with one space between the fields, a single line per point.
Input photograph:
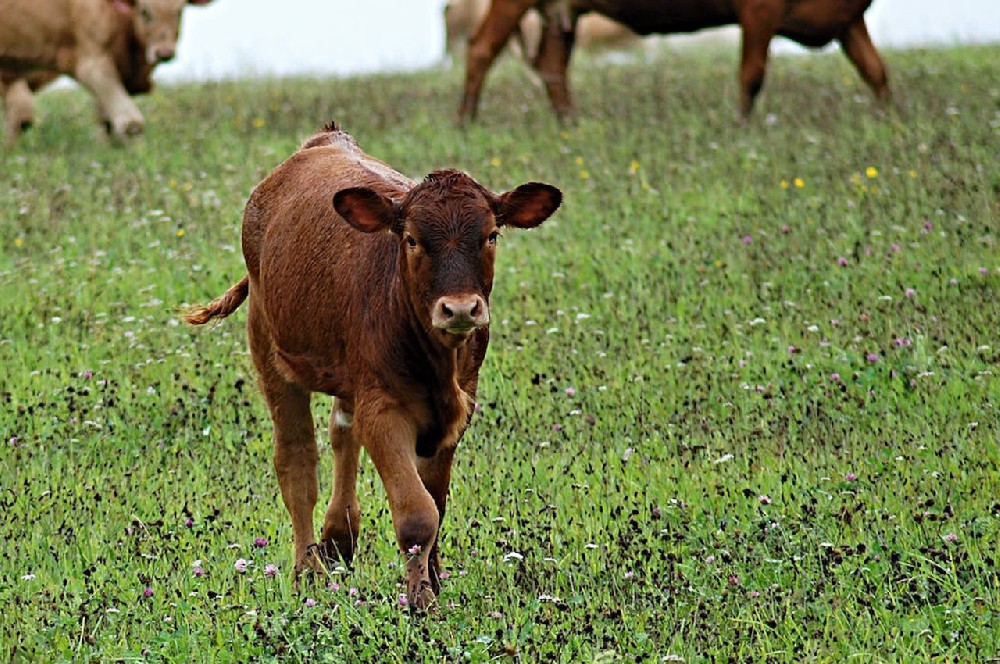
x=390 y=438
x=435 y=473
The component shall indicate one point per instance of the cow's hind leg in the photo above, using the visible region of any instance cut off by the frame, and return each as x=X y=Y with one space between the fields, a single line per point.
x=19 y=104
x=860 y=50
x=484 y=46
x=436 y=476
x=343 y=513
x=759 y=21
x=552 y=61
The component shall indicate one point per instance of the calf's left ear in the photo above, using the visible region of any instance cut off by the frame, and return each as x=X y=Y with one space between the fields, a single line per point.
x=365 y=209
x=527 y=206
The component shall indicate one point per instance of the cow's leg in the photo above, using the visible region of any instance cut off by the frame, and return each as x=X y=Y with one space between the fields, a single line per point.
x=484 y=46
x=390 y=438
x=759 y=20
x=295 y=452
x=343 y=513
x=98 y=74
x=19 y=104
x=552 y=61
x=860 y=50
x=436 y=476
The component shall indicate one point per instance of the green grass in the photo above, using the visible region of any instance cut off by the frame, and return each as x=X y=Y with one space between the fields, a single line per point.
x=708 y=489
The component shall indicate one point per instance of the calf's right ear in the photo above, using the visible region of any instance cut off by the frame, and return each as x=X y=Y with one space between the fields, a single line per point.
x=365 y=209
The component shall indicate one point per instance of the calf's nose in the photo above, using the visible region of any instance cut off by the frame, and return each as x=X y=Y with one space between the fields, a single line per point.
x=460 y=313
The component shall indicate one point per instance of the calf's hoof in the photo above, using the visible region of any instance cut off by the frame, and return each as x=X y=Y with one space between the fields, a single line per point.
x=339 y=547
x=310 y=566
x=420 y=598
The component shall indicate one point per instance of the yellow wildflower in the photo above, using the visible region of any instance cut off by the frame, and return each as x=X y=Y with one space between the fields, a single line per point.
x=871 y=172
x=495 y=161
x=180 y=232
x=258 y=123
x=584 y=175
x=19 y=242
x=784 y=184
x=799 y=183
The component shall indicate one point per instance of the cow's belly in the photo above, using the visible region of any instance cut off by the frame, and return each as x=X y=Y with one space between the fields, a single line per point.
x=817 y=22
x=664 y=17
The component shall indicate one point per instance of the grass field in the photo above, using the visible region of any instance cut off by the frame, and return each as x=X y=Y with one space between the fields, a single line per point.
x=740 y=404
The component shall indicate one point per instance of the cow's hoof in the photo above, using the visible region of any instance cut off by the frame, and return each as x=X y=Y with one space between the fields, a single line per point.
x=126 y=128
x=133 y=128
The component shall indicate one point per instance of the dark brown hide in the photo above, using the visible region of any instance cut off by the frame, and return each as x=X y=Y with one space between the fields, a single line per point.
x=813 y=23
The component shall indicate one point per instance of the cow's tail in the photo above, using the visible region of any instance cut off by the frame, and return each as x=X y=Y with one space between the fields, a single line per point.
x=221 y=306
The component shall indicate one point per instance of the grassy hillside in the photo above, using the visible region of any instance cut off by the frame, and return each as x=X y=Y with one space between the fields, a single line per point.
x=740 y=403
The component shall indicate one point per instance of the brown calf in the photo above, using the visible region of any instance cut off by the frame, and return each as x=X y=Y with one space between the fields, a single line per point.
x=813 y=23
x=375 y=289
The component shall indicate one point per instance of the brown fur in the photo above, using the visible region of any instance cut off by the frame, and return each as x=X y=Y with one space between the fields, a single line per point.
x=109 y=46
x=813 y=23
x=373 y=288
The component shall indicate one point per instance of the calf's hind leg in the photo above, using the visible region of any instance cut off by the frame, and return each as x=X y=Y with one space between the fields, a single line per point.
x=343 y=513
x=295 y=451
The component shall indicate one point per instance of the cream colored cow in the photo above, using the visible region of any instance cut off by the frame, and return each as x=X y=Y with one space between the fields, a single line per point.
x=100 y=43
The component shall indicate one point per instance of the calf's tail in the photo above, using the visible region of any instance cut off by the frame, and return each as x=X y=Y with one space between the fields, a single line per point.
x=221 y=306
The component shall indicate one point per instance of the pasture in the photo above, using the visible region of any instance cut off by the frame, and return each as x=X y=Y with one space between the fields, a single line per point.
x=740 y=402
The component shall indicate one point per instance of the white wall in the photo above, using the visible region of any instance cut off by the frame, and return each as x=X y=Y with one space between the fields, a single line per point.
x=232 y=38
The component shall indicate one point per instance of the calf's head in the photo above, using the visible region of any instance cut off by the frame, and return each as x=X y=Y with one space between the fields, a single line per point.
x=156 y=24
x=447 y=229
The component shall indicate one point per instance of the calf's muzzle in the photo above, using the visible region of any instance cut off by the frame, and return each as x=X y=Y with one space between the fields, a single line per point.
x=460 y=314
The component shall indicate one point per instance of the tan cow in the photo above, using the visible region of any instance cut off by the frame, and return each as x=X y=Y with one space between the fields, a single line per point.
x=813 y=23
x=375 y=289
x=109 y=46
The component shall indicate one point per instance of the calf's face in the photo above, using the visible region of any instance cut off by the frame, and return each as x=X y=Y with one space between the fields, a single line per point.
x=156 y=24
x=447 y=229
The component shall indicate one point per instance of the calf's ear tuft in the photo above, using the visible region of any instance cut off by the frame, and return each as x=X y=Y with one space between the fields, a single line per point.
x=527 y=206
x=365 y=209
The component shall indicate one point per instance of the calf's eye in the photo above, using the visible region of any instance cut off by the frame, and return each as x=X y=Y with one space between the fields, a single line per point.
x=411 y=242
x=493 y=237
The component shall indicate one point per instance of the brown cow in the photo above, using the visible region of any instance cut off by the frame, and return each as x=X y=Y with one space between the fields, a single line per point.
x=813 y=23
x=375 y=289
x=109 y=46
